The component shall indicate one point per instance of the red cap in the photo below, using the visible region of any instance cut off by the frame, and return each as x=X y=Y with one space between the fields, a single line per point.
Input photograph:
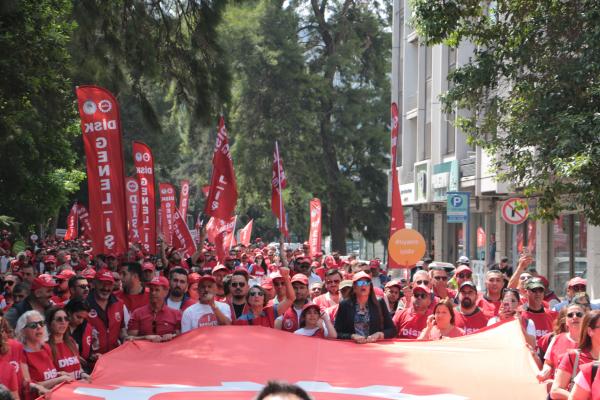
x=243 y=271
x=393 y=283
x=577 y=281
x=330 y=262
x=207 y=278
x=89 y=274
x=49 y=259
x=463 y=268
x=275 y=275
x=361 y=275
x=148 y=266
x=301 y=278
x=159 y=281
x=194 y=277
x=65 y=274
x=267 y=283
x=318 y=254
x=43 y=281
x=220 y=267
x=105 y=275
x=420 y=288
x=374 y=263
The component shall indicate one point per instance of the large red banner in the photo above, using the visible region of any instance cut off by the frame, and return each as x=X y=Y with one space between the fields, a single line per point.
x=167 y=208
x=450 y=369
x=72 y=224
x=278 y=183
x=314 y=236
x=245 y=233
x=133 y=208
x=222 y=195
x=184 y=198
x=397 y=212
x=182 y=237
x=144 y=167
x=84 y=220
x=101 y=127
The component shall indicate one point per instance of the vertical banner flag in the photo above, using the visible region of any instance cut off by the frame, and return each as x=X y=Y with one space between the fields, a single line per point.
x=84 y=221
x=144 y=167
x=222 y=194
x=72 y=224
x=184 y=199
x=221 y=233
x=101 y=127
x=246 y=233
x=397 y=212
x=167 y=208
x=314 y=236
x=182 y=237
x=133 y=208
x=278 y=183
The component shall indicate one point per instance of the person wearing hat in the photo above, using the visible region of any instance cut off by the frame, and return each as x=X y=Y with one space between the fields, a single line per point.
x=207 y=311
x=303 y=266
x=79 y=287
x=219 y=271
x=333 y=278
x=463 y=274
x=315 y=322
x=574 y=286
x=49 y=264
x=467 y=315
x=155 y=321
x=148 y=271
x=534 y=309
x=363 y=318
x=61 y=290
x=38 y=299
x=290 y=320
x=107 y=313
x=411 y=321
x=392 y=294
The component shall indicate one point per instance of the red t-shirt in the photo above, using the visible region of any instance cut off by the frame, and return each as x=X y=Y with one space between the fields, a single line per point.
x=324 y=301
x=16 y=358
x=409 y=323
x=266 y=318
x=41 y=366
x=60 y=301
x=586 y=371
x=167 y=320
x=562 y=344
x=567 y=360
x=68 y=360
x=135 y=301
x=470 y=323
x=8 y=375
x=490 y=308
x=543 y=321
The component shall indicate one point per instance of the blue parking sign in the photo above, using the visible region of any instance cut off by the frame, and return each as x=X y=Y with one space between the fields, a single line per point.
x=458 y=207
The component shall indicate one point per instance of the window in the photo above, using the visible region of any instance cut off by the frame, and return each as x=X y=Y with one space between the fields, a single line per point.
x=568 y=251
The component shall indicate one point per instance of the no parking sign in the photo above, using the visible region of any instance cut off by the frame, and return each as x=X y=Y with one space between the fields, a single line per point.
x=515 y=211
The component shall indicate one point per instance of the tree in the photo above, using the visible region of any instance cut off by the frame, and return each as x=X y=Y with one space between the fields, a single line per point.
x=532 y=86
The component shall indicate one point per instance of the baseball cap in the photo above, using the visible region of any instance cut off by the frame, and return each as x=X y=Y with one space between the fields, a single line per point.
x=535 y=283
x=267 y=283
x=275 y=275
x=393 y=283
x=301 y=278
x=420 y=288
x=207 y=278
x=463 y=260
x=194 y=277
x=65 y=274
x=345 y=284
x=148 y=266
x=49 y=259
x=159 y=281
x=577 y=281
x=105 y=276
x=310 y=305
x=374 y=263
x=89 y=274
x=468 y=283
x=463 y=268
x=219 y=267
x=43 y=281
x=361 y=275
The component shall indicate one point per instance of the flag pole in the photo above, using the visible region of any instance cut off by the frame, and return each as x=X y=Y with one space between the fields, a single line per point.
x=279 y=188
x=234 y=225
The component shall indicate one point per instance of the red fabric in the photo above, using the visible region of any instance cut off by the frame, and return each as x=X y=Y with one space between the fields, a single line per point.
x=290 y=322
x=72 y=224
x=144 y=168
x=267 y=320
x=586 y=371
x=107 y=336
x=84 y=221
x=60 y=301
x=489 y=308
x=567 y=360
x=562 y=344
x=246 y=234
x=8 y=375
x=543 y=321
x=101 y=127
x=67 y=360
x=182 y=237
x=278 y=183
x=222 y=195
x=221 y=233
x=133 y=203
x=134 y=301
x=397 y=211
x=167 y=320
x=167 y=208
x=470 y=323
x=184 y=199
x=86 y=342
x=41 y=366
x=314 y=235
x=409 y=323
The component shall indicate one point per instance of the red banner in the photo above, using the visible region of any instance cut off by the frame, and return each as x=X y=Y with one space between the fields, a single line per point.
x=314 y=235
x=184 y=198
x=397 y=212
x=133 y=209
x=72 y=224
x=144 y=167
x=222 y=196
x=167 y=208
x=84 y=221
x=245 y=234
x=101 y=127
x=278 y=183
x=182 y=237
x=388 y=370
x=221 y=233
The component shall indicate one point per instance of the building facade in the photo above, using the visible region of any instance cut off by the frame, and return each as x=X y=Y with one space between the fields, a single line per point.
x=434 y=157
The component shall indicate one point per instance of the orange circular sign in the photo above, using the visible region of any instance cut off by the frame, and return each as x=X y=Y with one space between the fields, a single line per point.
x=406 y=247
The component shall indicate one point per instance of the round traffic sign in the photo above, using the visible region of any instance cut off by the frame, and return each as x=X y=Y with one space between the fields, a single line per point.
x=406 y=247
x=515 y=211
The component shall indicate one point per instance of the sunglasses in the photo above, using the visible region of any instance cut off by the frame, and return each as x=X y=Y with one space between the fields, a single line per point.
x=464 y=276
x=332 y=282
x=238 y=284
x=421 y=282
x=537 y=290
x=440 y=278
x=61 y=319
x=420 y=295
x=84 y=287
x=578 y=288
x=524 y=277
x=252 y=294
x=33 y=325
x=362 y=283
x=577 y=314
x=9 y=283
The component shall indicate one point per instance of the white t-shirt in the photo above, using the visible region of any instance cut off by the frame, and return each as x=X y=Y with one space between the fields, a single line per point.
x=175 y=305
x=200 y=315
x=310 y=332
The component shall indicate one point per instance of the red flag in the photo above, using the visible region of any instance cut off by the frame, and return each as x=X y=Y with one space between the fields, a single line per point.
x=184 y=198
x=278 y=183
x=167 y=207
x=144 y=167
x=246 y=233
x=205 y=190
x=222 y=196
x=84 y=221
x=314 y=236
x=397 y=212
x=182 y=237
x=221 y=233
x=101 y=127
x=72 y=224
x=133 y=208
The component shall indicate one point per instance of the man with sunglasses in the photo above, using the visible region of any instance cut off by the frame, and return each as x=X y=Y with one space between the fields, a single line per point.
x=239 y=291
x=439 y=280
x=412 y=320
x=574 y=286
x=534 y=309
x=79 y=287
x=467 y=315
x=207 y=311
x=303 y=265
x=7 y=291
x=333 y=277
x=38 y=299
x=61 y=290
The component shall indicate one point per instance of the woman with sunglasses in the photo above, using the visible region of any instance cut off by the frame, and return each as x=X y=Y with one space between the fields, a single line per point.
x=441 y=323
x=363 y=317
x=63 y=347
x=509 y=307
x=39 y=365
x=315 y=322
x=587 y=351
x=258 y=312
x=566 y=337
x=8 y=373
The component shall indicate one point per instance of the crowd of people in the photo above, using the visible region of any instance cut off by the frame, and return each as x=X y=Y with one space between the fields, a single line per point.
x=64 y=307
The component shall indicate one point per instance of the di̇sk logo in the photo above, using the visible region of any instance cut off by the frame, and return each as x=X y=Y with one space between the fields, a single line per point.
x=89 y=107
x=118 y=316
x=185 y=189
x=93 y=313
x=132 y=186
x=139 y=157
x=104 y=106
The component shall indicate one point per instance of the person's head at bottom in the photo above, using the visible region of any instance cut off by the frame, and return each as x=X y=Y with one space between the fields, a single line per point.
x=275 y=390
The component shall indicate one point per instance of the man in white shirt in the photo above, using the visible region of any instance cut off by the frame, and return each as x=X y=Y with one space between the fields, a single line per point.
x=207 y=312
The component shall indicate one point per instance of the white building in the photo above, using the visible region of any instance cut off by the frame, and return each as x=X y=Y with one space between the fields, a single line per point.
x=434 y=158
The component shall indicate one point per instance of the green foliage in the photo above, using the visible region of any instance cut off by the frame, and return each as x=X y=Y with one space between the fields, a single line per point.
x=533 y=87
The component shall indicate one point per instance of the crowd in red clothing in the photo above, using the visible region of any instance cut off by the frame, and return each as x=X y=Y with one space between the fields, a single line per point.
x=63 y=307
